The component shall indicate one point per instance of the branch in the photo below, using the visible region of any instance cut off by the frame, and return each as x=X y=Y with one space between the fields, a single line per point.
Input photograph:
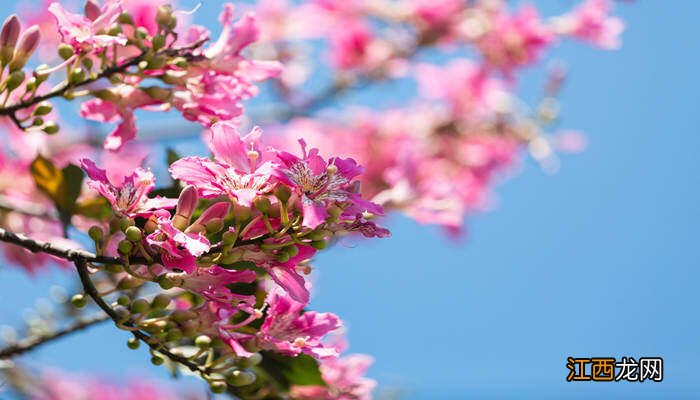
x=39 y=246
x=30 y=343
x=81 y=266
x=107 y=72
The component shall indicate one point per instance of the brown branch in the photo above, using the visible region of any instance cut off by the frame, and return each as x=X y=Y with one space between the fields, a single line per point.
x=39 y=246
x=106 y=73
x=30 y=343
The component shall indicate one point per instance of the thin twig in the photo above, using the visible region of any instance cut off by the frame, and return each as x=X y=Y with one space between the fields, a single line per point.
x=39 y=246
x=30 y=343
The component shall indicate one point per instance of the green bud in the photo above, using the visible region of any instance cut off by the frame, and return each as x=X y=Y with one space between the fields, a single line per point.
x=141 y=32
x=214 y=225
x=66 y=51
x=114 y=30
x=50 y=128
x=157 y=62
x=129 y=282
x=87 y=62
x=76 y=76
x=133 y=234
x=319 y=244
x=166 y=283
x=125 y=18
x=133 y=343
x=14 y=80
x=262 y=203
x=282 y=256
x=43 y=108
x=158 y=42
x=140 y=306
x=240 y=378
x=228 y=238
x=291 y=250
x=189 y=328
x=217 y=387
x=157 y=360
x=95 y=233
x=38 y=121
x=283 y=193
x=31 y=84
x=183 y=315
x=202 y=341
x=180 y=62
x=125 y=223
x=123 y=300
x=125 y=247
x=160 y=302
x=78 y=301
x=158 y=92
x=154 y=328
x=251 y=361
x=334 y=212
x=123 y=313
x=173 y=335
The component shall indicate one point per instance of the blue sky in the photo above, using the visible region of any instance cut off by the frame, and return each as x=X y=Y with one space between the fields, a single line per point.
x=600 y=259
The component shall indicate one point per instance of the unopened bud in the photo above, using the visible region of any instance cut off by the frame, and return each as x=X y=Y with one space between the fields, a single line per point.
x=140 y=306
x=292 y=250
x=161 y=301
x=125 y=223
x=133 y=234
x=78 y=301
x=228 y=237
x=319 y=244
x=241 y=213
x=43 y=108
x=65 y=51
x=154 y=327
x=283 y=193
x=282 y=257
x=114 y=30
x=212 y=218
x=217 y=387
x=15 y=79
x=240 y=378
x=157 y=360
x=158 y=92
x=262 y=203
x=92 y=10
x=125 y=247
x=166 y=283
x=174 y=335
x=50 y=127
x=96 y=233
x=125 y=18
x=183 y=315
x=158 y=42
x=157 y=62
x=253 y=360
x=129 y=282
x=186 y=204
x=202 y=341
x=28 y=42
x=123 y=300
x=133 y=343
x=76 y=76
x=8 y=38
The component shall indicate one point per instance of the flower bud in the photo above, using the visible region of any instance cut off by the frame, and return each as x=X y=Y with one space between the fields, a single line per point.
x=92 y=10
x=125 y=223
x=114 y=30
x=262 y=203
x=253 y=360
x=31 y=84
x=282 y=257
x=211 y=219
x=95 y=233
x=123 y=313
x=158 y=42
x=165 y=18
x=65 y=51
x=186 y=204
x=125 y=18
x=129 y=282
x=157 y=360
x=133 y=343
x=40 y=73
x=133 y=234
x=87 y=62
x=14 y=80
x=183 y=315
x=123 y=300
x=161 y=301
x=158 y=92
x=283 y=193
x=154 y=327
x=157 y=62
x=125 y=247
x=166 y=283
x=78 y=301
x=202 y=341
x=43 y=108
x=217 y=387
x=76 y=76
x=319 y=244
x=140 y=306
x=38 y=121
x=228 y=237
x=28 y=42
x=240 y=378
x=8 y=38
x=173 y=335
x=50 y=128
x=292 y=250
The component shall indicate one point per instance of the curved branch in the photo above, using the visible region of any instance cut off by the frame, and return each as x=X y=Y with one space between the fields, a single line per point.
x=39 y=246
x=30 y=343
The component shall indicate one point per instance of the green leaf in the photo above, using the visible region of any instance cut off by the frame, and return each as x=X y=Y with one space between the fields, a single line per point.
x=172 y=156
x=61 y=186
x=95 y=208
x=288 y=371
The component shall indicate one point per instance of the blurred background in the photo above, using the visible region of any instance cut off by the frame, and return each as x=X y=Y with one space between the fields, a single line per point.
x=596 y=260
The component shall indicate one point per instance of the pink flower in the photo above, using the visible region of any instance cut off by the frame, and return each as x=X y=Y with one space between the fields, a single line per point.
x=85 y=34
x=320 y=184
x=344 y=378
x=290 y=331
x=118 y=103
x=515 y=39
x=211 y=283
x=240 y=168
x=179 y=250
x=592 y=23
x=128 y=197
